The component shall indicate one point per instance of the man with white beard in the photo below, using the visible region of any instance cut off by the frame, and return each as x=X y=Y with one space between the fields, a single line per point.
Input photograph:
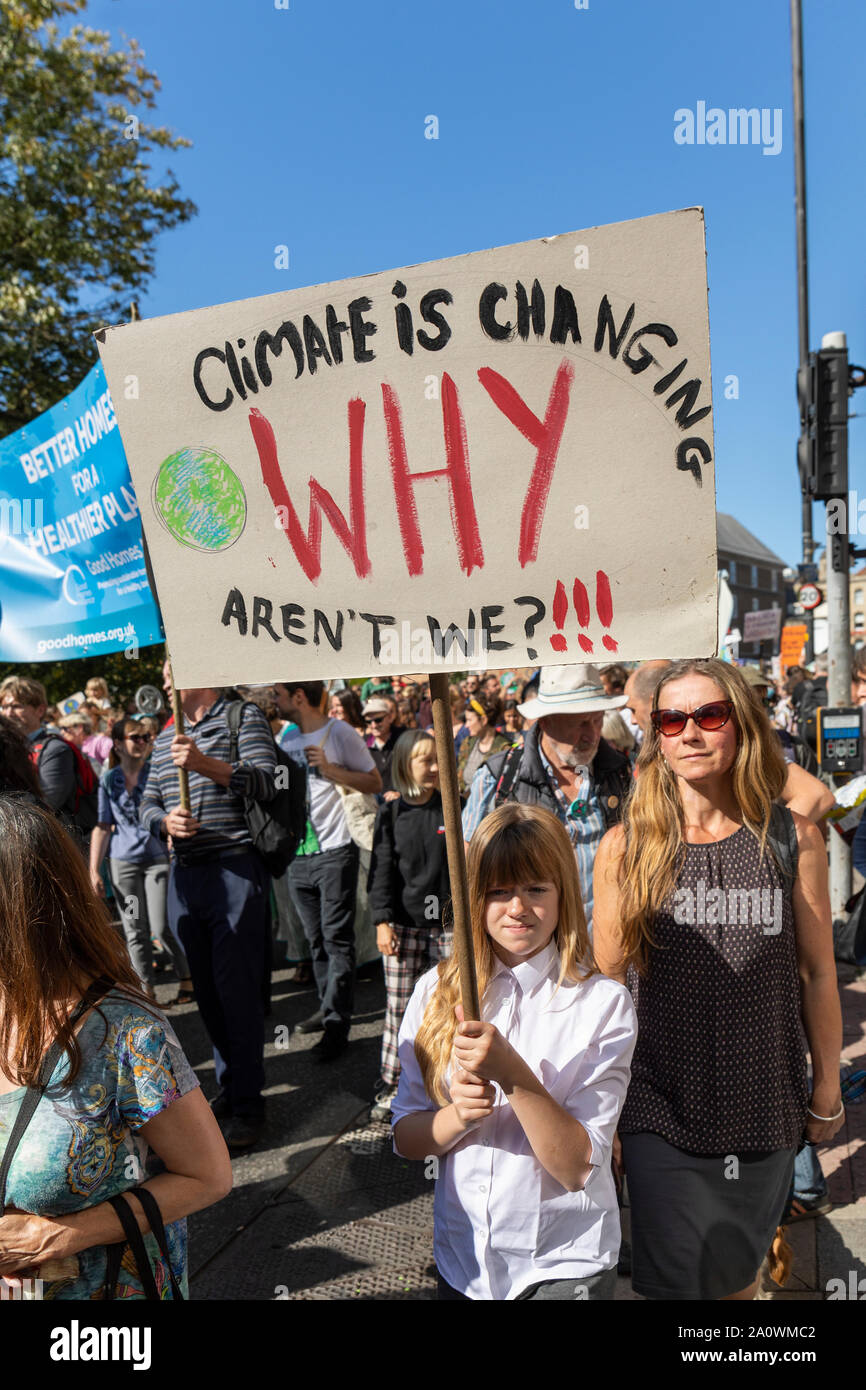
x=564 y=765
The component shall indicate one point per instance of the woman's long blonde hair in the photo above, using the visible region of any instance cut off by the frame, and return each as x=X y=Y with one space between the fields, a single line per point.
x=653 y=819
x=513 y=845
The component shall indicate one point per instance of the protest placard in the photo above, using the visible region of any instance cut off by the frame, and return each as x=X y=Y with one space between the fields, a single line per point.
x=500 y=459
x=793 y=641
x=72 y=702
x=762 y=625
x=72 y=575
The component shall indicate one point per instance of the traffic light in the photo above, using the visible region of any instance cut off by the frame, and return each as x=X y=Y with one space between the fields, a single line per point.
x=807 y=443
x=822 y=450
x=832 y=472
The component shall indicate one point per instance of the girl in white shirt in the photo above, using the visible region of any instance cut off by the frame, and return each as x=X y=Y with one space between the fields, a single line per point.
x=519 y=1110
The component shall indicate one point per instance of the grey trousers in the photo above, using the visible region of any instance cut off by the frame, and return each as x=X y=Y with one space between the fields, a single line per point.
x=141 y=901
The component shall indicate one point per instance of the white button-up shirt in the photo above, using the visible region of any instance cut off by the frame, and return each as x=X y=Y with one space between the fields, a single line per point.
x=501 y=1222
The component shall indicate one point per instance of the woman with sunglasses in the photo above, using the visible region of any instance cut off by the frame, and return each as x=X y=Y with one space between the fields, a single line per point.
x=713 y=903
x=483 y=741
x=138 y=863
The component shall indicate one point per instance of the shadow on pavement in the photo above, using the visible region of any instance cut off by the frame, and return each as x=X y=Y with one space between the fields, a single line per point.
x=322 y=1208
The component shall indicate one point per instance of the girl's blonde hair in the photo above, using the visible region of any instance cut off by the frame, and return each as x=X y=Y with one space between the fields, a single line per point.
x=401 y=763
x=513 y=845
x=653 y=819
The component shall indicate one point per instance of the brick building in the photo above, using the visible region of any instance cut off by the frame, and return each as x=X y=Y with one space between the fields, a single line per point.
x=754 y=576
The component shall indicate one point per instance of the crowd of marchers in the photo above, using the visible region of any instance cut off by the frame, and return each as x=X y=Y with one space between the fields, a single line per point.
x=617 y=1045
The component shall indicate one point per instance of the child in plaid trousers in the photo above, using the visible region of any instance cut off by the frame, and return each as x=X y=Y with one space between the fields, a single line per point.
x=408 y=888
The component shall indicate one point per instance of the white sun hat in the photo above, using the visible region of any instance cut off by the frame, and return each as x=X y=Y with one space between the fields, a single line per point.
x=570 y=690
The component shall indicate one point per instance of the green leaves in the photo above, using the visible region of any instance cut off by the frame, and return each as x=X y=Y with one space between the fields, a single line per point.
x=62 y=678
x=79 y=209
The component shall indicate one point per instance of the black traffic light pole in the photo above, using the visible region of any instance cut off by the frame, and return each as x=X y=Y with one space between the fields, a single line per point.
x=824 y=384
x=824 y=381
x=802 y=262
x=822 y=457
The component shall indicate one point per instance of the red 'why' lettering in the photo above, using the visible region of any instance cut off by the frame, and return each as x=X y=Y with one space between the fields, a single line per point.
x=352 y=534
x=545 y=435
x=463 y=517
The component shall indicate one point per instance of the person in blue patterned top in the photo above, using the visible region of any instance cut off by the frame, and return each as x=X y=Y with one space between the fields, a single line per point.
x=138 y=858
x=122 y=1109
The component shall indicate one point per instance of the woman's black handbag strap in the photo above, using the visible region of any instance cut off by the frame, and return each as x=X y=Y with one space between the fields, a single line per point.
x=34 y=1094
x=154 y=1217
x=22 y=1120
x=135 y=1240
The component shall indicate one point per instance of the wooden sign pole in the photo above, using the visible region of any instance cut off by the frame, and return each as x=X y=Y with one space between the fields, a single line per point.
x=177 y=708
x=449 y=790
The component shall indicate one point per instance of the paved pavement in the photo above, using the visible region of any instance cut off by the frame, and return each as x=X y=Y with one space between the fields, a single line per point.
x=323 y=1209
x=834 y=1247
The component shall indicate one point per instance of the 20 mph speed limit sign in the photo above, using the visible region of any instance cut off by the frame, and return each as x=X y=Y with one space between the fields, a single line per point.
x=809 y=596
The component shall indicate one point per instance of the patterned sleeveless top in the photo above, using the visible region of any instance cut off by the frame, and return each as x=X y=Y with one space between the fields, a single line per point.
x=720 y=1062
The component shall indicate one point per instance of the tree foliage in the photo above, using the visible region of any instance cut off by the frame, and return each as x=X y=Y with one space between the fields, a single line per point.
x=79 y=210
x=123 y=674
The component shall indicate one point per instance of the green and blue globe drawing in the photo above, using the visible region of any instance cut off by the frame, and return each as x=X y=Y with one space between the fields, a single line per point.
x=199 y=499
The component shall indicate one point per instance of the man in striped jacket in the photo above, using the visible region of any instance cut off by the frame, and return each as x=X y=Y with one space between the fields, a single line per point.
x=219 y=889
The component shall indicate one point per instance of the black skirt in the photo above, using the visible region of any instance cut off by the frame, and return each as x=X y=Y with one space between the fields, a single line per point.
x=701 y=1224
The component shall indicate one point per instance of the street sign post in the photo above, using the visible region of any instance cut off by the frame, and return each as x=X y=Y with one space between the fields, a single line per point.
x=809 y=597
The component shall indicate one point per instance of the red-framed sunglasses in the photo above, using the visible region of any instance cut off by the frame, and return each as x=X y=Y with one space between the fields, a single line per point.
x=710 y=717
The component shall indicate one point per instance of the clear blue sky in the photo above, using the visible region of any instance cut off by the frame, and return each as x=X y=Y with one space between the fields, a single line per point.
x=308 y=130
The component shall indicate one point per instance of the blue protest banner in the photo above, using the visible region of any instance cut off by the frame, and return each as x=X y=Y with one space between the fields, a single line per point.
x=72 y=572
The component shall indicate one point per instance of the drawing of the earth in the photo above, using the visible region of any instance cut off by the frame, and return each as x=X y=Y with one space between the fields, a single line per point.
x=199 y=499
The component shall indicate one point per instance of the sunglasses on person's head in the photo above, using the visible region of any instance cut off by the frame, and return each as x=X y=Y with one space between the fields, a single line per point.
x=710 y=717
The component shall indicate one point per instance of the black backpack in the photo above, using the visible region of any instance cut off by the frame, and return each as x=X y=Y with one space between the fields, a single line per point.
x=277 y=826
x=813 y=696
x=800 y=752
x=782 y=839
x=81 y=812
x=849 y=934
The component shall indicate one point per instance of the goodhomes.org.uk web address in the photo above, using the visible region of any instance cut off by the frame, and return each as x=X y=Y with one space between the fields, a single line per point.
x=85 y=639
